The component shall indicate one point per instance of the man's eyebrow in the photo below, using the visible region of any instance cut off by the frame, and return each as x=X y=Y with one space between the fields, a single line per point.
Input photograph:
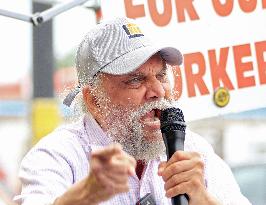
x=136 y=74
x=164 y=68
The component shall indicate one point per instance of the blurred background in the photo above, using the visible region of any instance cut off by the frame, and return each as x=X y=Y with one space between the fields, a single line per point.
x=37 y=70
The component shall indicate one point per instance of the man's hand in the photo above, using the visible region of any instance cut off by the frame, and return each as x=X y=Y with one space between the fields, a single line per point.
x=110 y=168
x=184 y=173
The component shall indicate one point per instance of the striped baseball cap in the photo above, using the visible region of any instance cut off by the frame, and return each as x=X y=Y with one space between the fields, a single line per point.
x=116 y=47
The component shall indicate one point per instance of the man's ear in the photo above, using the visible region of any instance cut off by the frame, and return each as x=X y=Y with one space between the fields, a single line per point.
x=89 y=99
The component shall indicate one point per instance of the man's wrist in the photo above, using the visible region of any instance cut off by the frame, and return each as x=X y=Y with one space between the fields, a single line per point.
x=205 y=198
x=81 y=193
x=211 y=200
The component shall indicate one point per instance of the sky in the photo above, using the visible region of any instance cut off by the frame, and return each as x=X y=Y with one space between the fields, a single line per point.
x=15 y=37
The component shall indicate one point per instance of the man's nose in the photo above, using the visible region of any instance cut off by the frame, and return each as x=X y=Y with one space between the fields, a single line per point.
x=155 y=90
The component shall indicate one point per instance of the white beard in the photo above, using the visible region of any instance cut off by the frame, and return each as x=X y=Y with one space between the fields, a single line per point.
x=124 y=127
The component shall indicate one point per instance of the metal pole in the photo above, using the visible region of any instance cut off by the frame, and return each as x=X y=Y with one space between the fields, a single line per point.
x=42 y=16
x=43 y=56
x=45 y=115
x=54 y=11
x=15 y=15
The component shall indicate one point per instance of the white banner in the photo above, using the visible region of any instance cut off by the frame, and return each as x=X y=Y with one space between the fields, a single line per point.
x=224 y=47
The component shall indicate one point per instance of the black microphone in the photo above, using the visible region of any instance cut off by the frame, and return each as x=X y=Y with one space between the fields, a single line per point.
x=173 y=129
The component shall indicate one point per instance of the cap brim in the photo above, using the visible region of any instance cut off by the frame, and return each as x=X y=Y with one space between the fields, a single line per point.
x=130 y=61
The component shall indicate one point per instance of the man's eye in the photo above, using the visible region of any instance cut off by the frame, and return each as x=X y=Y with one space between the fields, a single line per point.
x=134 y=81
x=162 y=76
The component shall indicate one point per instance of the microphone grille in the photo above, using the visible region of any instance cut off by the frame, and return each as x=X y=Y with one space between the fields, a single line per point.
x=172 y=119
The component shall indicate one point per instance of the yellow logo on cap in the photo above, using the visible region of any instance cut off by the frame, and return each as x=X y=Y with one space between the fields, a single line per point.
x=132 y=30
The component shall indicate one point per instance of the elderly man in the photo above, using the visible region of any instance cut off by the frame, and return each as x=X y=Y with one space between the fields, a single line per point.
x=115 y=154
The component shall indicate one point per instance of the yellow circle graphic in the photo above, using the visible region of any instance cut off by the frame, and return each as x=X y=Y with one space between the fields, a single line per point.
x=221 y=97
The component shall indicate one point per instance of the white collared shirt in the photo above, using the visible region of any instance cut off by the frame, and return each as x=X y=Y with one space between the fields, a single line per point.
x=62 y=158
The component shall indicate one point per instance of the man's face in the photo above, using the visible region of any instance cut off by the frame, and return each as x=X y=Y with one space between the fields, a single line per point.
x=130 y=105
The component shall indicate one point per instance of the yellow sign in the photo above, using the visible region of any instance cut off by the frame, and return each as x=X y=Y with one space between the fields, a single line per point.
x=221 y=97
x=45 y=117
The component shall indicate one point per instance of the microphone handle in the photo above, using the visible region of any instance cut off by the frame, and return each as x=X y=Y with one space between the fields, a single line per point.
x=181 y=199
x=174 y=140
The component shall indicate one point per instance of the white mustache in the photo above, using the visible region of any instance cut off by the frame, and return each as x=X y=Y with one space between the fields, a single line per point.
x=147 y=107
